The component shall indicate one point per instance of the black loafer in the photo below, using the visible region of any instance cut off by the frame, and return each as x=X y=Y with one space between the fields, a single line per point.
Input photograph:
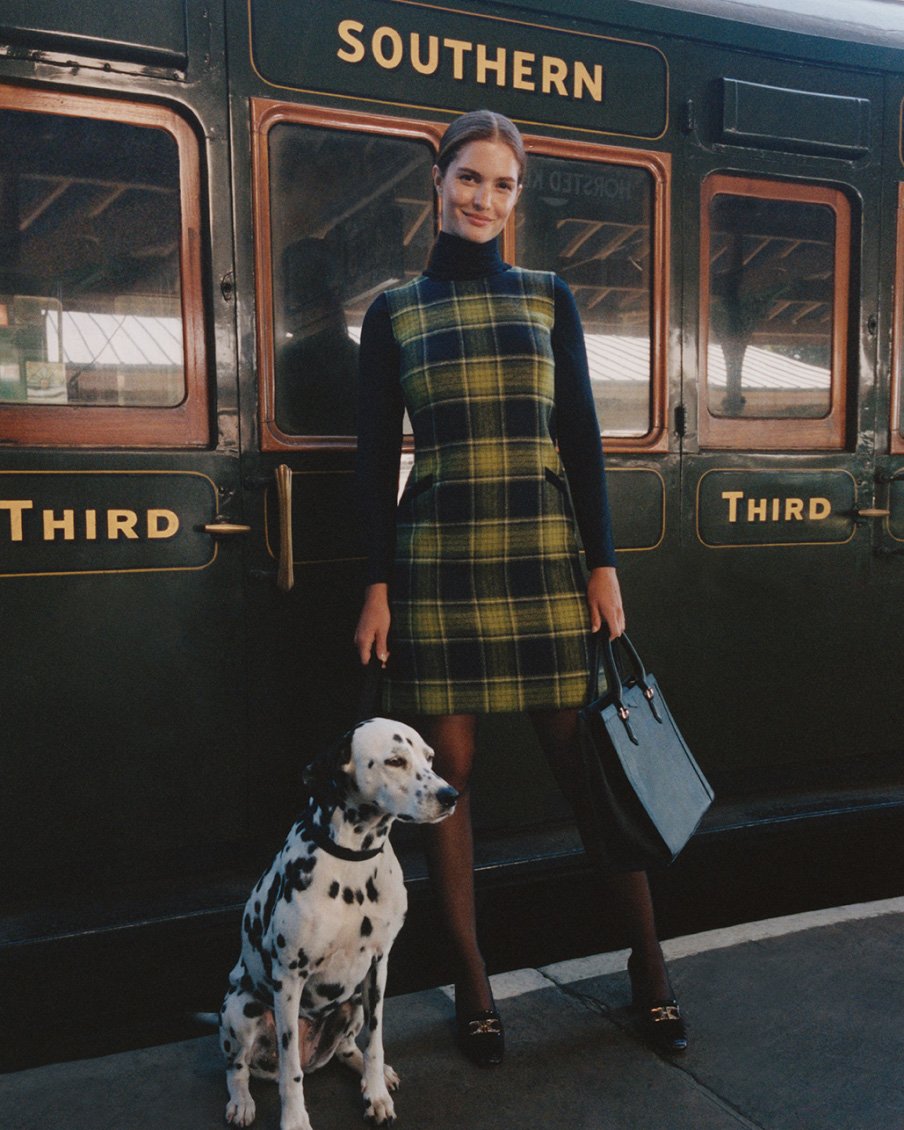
x=481 y=1037
x=663 y=1027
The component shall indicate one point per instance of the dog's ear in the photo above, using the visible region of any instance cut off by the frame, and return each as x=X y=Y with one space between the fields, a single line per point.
x=321 y=776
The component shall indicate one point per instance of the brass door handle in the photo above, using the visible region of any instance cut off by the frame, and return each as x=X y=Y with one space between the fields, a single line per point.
x=223 y=528
x=285 y=570
x=872 y=512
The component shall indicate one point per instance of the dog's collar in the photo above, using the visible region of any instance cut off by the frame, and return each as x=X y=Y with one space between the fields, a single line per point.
x=321 y=838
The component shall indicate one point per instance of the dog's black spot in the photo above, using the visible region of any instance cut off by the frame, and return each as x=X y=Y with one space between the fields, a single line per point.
x=302 y=958
x=297 y=1078
x=253 y=1009
x=227 y=1046
x=359 y=828
x=367 y=927
x=272 y=895
x=397 y=737
x=410 y=742
x=232 y=1032
x=298 y=876
x=246 y=984
x=331 y=991
x=359 y=897
x=370 y=765
x=257 y=905
x=372 y=893
x=280 y=941
x=334 y=889
x=366 y=842
x=286 y=1039
x=348 y=894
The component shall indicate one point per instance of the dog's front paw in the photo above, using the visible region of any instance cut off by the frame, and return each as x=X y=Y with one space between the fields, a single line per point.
x=379 y=1108
x=391 y=1077
x=240 y=1112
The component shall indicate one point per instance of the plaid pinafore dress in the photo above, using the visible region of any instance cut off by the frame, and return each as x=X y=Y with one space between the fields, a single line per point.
x=487 y=596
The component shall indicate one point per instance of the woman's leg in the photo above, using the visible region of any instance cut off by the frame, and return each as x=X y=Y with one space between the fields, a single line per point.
x=450 y=856
x=627 y=895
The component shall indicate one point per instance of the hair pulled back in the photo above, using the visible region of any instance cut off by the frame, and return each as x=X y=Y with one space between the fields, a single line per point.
x=480 y=125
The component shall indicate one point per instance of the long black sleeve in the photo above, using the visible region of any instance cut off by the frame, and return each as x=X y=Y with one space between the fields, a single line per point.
x=380 y=412
x=577 y=432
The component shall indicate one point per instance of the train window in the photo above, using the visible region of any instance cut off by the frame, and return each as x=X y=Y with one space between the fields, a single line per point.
x=596 y=217
x=101 y=335
x=351 y=212
x=774 y=273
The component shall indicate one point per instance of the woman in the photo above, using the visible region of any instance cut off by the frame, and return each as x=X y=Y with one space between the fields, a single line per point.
x=478 y=571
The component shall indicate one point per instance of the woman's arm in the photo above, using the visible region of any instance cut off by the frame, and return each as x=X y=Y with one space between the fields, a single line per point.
x=578 y=437
x=380 y=411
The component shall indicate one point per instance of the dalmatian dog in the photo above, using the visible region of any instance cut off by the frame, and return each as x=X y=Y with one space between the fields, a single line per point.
x=319 y=925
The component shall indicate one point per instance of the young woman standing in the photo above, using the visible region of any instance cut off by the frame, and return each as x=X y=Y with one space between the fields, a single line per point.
x=477 y=600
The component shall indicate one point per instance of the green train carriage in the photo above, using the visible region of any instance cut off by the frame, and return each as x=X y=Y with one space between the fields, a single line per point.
x=197 y=204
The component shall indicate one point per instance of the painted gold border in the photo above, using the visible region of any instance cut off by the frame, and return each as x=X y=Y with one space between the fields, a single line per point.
x=896 y=438
x=461 y=109
x=662 y=526
x=771 y=471
x=110 y=572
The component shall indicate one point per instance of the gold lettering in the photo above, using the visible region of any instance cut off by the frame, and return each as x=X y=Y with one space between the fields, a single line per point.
x=756 y=509
x=121 y=523
x=52 y=524
x=794 y=509
x=432 y=63
x=522 y=66
x=732 y=497
x=345 y=29
x=91 y=525
x=484 y=65
x=387 y=62
x=555 y=71
x=776 y=512
x=162 y=523
x=15 y=508
x=458 y=47
x=820 y=508
x=593 y=83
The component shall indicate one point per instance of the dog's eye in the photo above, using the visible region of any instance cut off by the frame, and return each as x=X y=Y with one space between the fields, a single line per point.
x=395 y=762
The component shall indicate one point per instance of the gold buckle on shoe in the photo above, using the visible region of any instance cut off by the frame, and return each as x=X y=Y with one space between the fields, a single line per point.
x=491 y=1027
x=665 y=1012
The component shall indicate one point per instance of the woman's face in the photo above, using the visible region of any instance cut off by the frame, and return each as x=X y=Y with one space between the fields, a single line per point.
x=478 y=190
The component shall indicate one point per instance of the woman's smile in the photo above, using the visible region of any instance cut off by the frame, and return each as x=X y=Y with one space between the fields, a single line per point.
x=478 y=190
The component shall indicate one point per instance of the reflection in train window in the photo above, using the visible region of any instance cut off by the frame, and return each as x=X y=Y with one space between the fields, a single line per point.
x=774 y=276
x=350 y=215
x=90 y=286
x=591 y=223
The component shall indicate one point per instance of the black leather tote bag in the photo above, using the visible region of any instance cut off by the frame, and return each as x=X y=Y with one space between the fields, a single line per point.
x=647 y=792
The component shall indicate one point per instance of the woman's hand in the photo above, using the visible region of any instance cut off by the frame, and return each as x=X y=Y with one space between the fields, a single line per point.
x=372 y=631
x=605 y=602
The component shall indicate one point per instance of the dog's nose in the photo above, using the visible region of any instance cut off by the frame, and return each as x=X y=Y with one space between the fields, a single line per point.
x=447 y=796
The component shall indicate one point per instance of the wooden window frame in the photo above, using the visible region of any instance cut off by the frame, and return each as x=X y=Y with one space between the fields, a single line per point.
x=78 y=425
x=739 y=433
x=265 y=114
x=896 y=438
x=658 y=166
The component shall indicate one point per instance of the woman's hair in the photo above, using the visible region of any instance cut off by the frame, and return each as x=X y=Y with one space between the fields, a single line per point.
x=480 y=125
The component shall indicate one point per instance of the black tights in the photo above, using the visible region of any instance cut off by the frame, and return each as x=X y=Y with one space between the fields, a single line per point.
x=450 y=853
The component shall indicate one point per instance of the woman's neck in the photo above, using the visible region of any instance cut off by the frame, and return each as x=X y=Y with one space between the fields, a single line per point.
x=453 y=257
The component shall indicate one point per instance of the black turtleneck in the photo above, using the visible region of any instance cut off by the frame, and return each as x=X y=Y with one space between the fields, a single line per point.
x=381 y=409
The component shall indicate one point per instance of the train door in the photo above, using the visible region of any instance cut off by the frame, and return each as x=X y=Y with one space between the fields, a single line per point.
x=121 y=714
x=782 y=188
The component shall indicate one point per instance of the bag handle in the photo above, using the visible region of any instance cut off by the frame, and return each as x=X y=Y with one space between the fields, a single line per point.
x=615 y=682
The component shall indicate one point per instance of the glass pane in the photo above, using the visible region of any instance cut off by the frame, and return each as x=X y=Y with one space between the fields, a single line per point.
x=590 y=223
x=772 y=281
x=351 y=215
x=90 y=290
